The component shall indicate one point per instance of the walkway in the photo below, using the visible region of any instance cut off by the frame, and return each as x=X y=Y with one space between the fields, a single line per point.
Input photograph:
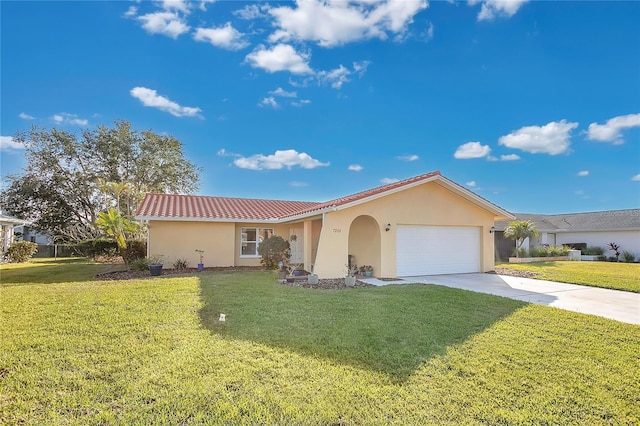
x=614 y=304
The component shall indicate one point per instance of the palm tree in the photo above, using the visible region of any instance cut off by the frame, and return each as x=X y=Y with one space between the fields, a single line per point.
x=116 y=226
x=520 y=230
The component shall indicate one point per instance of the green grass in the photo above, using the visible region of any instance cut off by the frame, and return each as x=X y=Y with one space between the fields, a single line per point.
x=615 y=275
x=50 y=270
x=152 y=352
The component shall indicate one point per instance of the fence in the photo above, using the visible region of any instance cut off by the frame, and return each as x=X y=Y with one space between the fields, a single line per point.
x=56 y=250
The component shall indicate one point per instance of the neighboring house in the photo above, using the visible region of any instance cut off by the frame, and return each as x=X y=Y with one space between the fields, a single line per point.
x=7 y=230
x=27 y=233
x=427 y=224
x=593 y=229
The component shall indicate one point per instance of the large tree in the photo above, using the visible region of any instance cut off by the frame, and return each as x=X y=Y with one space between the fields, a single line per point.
x=69 y=179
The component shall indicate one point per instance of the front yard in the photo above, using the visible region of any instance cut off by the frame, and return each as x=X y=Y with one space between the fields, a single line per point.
x=615 y=275
x=152 y=351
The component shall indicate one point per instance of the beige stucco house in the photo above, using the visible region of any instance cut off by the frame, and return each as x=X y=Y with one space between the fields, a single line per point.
x=427 y=224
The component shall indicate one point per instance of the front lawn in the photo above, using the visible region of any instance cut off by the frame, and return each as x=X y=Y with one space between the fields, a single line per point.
x=152 y=351
x=615 y=275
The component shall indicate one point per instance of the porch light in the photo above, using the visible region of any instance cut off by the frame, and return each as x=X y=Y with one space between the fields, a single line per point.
x=492 y=230
x=388 y=227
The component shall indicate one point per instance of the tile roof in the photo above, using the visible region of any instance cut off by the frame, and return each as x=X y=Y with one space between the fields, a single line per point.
x=195 y=207
x=609 y=220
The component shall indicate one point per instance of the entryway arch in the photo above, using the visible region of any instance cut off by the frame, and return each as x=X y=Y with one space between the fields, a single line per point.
x=364 y=242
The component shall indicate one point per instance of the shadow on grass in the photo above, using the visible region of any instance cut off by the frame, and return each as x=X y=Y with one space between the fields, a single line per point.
x=51 y=271
x=391 y=329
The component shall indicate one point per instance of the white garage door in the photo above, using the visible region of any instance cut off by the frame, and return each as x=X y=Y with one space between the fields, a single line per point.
x=432 y=250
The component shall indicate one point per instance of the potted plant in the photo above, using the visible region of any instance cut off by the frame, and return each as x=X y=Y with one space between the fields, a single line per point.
x=201 y=264
x=350 y=278
x=155 y=265
x=293 y=270
x=368 y=270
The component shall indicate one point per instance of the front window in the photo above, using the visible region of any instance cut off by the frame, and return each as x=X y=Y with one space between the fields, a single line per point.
x=251 y=238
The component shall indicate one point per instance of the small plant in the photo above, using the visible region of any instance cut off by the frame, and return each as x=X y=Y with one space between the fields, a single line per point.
x=21 y=251
x=156 y=259
x=628 y=256
x=616 y=249
x=180 y=264
x=201 y=253
x=134 y=250
x=351 y=271
x=593 y=251
x=140 y=265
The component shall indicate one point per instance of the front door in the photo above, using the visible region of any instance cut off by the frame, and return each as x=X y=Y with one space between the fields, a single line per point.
x=296 y=241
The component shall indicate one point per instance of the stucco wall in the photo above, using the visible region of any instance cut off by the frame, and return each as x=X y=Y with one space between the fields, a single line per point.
x=427 y=204
x=627 y=240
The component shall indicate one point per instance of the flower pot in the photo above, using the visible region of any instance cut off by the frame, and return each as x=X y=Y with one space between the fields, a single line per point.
x=350 y=281
x=297 y=273
x=368 y=273
x=155 y=270
x=291 y=279
x=313 y=279
x=200 y=267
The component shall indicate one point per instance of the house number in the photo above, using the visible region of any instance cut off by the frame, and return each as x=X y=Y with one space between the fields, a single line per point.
x=336 y=230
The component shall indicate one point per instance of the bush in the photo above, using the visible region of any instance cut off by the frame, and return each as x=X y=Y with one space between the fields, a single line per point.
x=140 y=264
x=93 y=248
x=593 y=251
x=628 y=256
x=21 y=251
x=135 y=250
x=549 y=251
x=180 y=264
x=273 y=251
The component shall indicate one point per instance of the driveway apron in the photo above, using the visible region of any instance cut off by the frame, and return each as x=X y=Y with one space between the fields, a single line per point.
x=613 y=304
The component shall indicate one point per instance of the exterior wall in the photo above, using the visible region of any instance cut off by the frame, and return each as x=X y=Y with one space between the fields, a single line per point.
x=627 y=240
x=177 y=239
x=427 y=204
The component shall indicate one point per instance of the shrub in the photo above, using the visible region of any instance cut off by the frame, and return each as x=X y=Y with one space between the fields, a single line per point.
x=593 y=251
x=141 y=264
x=616 y=249
x=180 y=264
x=273 y=251
x=93 y=248
x=628 y=256
x=21 y=251
x=135 y=250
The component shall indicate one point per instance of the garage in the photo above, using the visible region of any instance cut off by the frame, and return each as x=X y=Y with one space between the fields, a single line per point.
x=433 y=250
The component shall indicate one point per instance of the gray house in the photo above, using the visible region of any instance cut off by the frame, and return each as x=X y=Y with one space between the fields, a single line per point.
x=593 y=229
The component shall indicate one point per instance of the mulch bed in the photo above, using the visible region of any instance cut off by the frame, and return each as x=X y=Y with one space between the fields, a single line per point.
x=325 y=284
x=514 y=273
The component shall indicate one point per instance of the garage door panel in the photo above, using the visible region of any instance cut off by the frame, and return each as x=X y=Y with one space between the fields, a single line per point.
x=431 y=250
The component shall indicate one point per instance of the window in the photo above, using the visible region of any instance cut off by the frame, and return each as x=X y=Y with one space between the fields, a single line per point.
x=250 y=239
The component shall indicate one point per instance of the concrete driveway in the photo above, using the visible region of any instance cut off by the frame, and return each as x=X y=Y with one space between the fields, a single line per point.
x=614 y=304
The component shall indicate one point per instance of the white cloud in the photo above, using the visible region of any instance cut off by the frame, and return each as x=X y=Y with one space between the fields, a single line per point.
x=636 y=178
x=410 y=157
x=203 y=4
x=183 y=6
x=300 y=103
x=611 y=130
x=283 y=93
x=337 y=77
x=65 y=118
x=553 y=138
x=583 y=173
x=165 y=23
x=471 y=184
x=280 y=159
x=281 y=57
x=150 y=98
x=509 y=157
x=26 y=116
x=131 y=12
x=269 y=102
x=252 y=11
x=8 y=144
x=333 y=23
x=298 y=184
x=225 y=37
x=355 y=167
x=472 y=150
x=497 y=8
x=387 y=181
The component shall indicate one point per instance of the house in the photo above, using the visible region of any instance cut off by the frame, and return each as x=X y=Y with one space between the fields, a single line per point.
x=7 y=227
x=578 y=230
x=427 y=224
x=28 y=233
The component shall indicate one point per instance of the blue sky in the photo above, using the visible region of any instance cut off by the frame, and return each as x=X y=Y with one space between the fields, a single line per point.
x=532 y=105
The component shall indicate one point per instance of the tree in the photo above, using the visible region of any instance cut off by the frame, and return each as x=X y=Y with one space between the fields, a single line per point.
x=520 y=230
x=117 y=227
x=69 y=179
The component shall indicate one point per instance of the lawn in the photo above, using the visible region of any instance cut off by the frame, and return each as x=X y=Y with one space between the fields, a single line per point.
x=151 y=351
x=615 y=275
